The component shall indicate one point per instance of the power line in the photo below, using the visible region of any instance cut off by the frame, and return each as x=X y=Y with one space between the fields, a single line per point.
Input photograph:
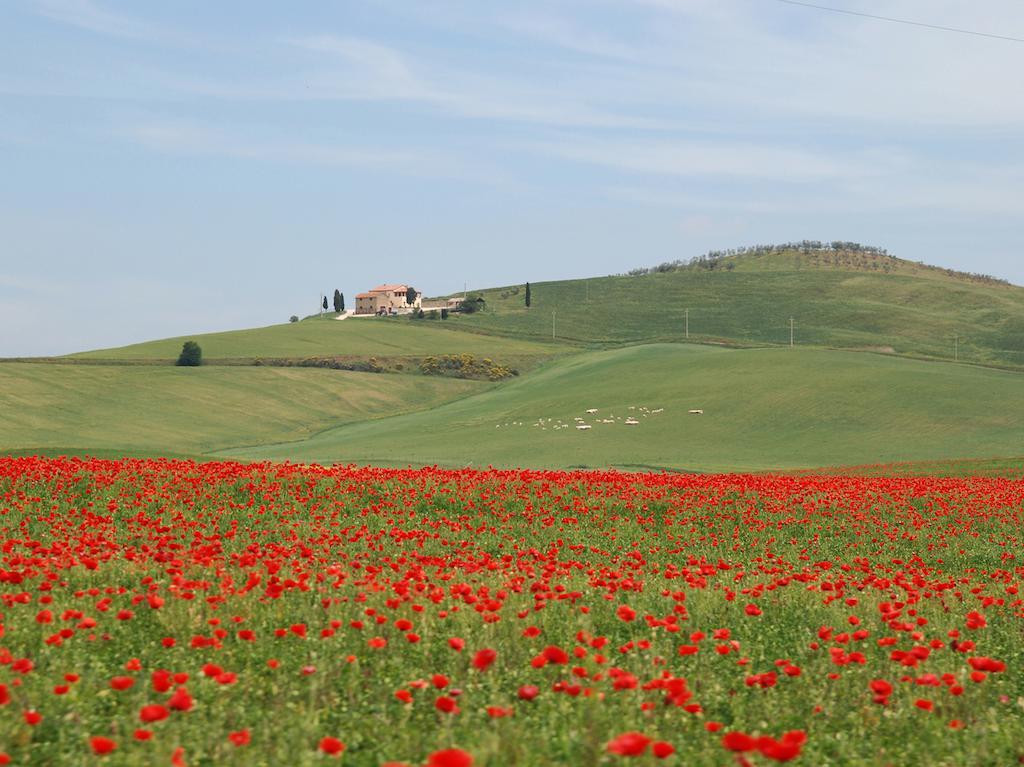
x=902 y=21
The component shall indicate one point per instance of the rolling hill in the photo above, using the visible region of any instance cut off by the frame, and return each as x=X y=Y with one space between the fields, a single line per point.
x=763 y=409
x=147 y=410
x=327 y=337
x=619 y=347
x=836 y=299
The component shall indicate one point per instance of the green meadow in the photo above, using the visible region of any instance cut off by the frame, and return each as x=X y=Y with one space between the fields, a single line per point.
x=151 y=410
x=763 y=409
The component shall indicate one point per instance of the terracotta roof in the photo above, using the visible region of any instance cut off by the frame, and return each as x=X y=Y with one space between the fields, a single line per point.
x=366 y=295
x=387 y=288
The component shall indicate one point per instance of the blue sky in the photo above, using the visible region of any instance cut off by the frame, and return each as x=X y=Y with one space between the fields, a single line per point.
x=171 y=168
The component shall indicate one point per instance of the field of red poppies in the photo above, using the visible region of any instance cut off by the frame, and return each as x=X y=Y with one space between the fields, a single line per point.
x=159 y=612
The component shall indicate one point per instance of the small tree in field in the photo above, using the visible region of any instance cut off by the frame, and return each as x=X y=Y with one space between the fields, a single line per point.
x=410 y=295
x=339 y=301
x=191 y=355
x=325 y=303
x=527 y=295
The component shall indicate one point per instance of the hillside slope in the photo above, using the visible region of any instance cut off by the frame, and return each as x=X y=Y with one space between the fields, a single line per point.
x=160 y=410
x=363 y=337
x=856 y=304
x=763 y=408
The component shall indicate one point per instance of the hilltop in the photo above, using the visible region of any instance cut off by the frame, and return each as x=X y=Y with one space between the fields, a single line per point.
x=844 y=299
x=813 y=254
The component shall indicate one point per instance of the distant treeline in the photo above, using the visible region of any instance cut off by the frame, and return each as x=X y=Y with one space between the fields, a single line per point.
x=838 y=253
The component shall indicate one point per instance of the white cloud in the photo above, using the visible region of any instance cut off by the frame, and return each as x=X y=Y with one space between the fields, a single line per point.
x=86 y=14
x=803 y=64
x=560 y=32
x=694 y=158
x=181 y=137
x=376 y=72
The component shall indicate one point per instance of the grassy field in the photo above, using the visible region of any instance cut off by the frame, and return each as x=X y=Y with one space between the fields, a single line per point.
x=147 y=410
x=763 y=409
x=913 y=309
x=1008 y=468
x=389 y=337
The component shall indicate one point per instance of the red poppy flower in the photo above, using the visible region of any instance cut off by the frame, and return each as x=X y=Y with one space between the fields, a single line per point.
x=629 y=744
x=121 y=682
x=446 y=704
x=484 y=658
x=778 y=751
x=161 y=680
x=554 y=654
x=331 y=746
x=739 y=742
x=240 y=738
x=101 y=745
x=153 y=713
x=450 y=757
x=180 y=700
x=528 y=692
x=662 y=749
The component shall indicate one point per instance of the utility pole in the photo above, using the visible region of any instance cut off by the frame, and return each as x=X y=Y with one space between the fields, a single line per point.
x=552 y=326
x=686 y=318
x=956 y=348
x=790 y=332
x=320 y=305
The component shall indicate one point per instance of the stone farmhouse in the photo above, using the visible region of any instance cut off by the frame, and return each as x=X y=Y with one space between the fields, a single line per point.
x=386 y=299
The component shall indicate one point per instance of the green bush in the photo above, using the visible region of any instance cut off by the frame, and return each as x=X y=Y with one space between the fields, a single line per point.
x=465 y=366
x=191 y=355
x=472 y=304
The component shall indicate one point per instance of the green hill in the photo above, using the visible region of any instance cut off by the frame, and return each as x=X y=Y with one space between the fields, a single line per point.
x=763 y=408
x=145 y=410
x=362 y=337
x=836 y=299
x=615 y=348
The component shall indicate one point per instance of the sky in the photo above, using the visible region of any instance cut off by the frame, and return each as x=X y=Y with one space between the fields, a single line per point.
x=175 y=168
